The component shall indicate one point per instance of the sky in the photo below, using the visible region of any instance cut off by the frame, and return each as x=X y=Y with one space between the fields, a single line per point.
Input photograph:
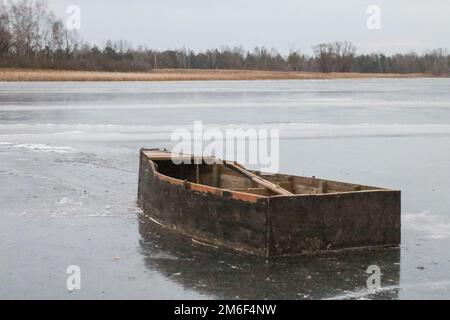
x=405 y=25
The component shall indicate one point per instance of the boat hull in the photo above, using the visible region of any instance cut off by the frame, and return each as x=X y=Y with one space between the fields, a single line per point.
x=270 y=225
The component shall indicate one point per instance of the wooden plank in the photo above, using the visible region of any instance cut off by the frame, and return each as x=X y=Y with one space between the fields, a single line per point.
x=166 y=155
x=216 y=176
x=258 y=191
x=257 y=179
x=323 y=188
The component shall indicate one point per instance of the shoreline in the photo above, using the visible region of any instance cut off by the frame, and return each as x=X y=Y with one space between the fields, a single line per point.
x=31 y=75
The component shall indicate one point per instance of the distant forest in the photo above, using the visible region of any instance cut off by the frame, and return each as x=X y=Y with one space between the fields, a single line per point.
x=31 y=36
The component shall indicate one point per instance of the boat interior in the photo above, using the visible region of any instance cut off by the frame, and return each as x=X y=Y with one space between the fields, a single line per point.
x=234 y=177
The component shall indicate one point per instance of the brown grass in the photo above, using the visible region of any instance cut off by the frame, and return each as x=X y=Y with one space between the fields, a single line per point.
x=8 y=74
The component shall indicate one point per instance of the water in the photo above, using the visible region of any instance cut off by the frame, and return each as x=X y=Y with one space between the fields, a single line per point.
x=68 y=184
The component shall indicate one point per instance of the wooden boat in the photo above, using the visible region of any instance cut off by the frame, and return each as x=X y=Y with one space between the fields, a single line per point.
x=223 y=204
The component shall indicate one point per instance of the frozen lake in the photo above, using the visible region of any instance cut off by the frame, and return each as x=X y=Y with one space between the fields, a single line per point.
x=68 y=185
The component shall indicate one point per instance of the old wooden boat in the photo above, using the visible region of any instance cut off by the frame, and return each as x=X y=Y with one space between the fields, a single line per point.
x=223 y=204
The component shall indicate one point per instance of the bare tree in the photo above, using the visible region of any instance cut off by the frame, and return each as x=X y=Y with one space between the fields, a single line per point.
x=295 y=60
x=438 y=61
x=5 y=34
x=325 y=57
x=27 y=23
x=212 y=55
x=346 y=55
x=335 y=57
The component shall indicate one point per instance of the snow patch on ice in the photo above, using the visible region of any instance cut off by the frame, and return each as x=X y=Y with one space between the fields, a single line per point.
x=63 y=201
x=69 y=132
x=98 y=215
x=433 y=226
x=45 y=147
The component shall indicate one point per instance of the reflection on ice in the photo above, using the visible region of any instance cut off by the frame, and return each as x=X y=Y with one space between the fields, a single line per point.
x=231 y=275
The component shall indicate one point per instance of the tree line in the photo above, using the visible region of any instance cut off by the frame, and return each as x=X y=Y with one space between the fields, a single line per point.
x=31 y=36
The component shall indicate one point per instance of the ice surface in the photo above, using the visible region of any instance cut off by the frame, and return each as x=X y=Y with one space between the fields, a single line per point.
x=68 y=184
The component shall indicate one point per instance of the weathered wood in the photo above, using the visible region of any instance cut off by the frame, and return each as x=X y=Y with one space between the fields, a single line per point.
x=259 y=191
x=216 y=176
x=323 y=188
x=257 y=179
x=245 y=215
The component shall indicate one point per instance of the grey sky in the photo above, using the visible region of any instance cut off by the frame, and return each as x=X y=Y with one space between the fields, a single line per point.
x=201 y=24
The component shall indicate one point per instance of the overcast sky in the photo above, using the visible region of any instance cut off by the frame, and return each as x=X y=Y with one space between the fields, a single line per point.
x=201 y=24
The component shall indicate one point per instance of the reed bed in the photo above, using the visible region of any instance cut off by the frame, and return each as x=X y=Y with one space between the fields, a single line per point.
x=9 y=74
